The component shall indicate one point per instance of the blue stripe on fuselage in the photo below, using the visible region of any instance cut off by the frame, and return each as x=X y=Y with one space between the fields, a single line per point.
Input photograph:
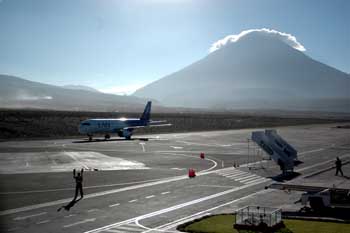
x=109 y=125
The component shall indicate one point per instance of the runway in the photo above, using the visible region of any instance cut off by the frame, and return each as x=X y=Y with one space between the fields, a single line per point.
x=142 y=185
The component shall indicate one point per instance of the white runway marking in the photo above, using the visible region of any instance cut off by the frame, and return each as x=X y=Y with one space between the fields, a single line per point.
x=64 y=161
x=237 y=175
x=80 y=222
x=201 y=144
x=311 y=151
x=92 y=210
x=262 y=179
x=176 y=207
x=176 y=168
x=143 y=146
x=132 y=201
x=249 y=179
x=166 y=227
x=29 y=216
x=73 y=156
x=148 y=197
x=116 y=204
x=85 y=187
x=162 y=181
x=42 y=222
x=163 y=193
x=214 y=186
x=191 y=156
x=244 y=177
x=129 y=229
x=177 y=147
x=240 y=176
x=68 y=216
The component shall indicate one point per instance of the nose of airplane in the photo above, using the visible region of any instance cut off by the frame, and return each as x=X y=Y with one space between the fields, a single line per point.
x=82 y=128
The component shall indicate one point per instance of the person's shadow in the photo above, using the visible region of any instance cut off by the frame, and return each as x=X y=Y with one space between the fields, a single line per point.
x=69 y=205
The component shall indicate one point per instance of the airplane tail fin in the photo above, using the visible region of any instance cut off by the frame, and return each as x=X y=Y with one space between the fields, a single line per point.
x=146 y=115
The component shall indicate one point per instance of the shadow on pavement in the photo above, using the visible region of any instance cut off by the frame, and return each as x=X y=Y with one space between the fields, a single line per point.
x=285 y=177
x=69 y=205
x=336 y=214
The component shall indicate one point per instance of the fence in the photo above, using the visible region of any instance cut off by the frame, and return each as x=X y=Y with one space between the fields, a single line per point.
x=254 y=215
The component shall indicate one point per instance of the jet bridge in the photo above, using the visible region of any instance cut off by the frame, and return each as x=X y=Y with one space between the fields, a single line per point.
x=279 y=150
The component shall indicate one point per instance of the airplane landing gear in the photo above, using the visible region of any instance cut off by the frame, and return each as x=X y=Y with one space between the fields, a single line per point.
x=128 y=137
x=107 y=136
x=90 y=137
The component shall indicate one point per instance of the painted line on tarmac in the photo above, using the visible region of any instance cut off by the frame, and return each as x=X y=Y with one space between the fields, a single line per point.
x=85 y=187
x=176 y=207
x=191 y=156
x=72 y=155
x=213 y=186
x=166 y=227
x=44 y=221
x=113 y=205
x=163 y=193
x=92 y=210
x=148 y=197
x=68 y=216
x=29 y=216
x=80 y=222
x=201 y=144
x=113 y=191
x=143 y=146
x=311 y=151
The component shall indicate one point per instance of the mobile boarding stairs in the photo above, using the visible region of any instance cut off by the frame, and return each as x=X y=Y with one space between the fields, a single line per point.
x=279 y=150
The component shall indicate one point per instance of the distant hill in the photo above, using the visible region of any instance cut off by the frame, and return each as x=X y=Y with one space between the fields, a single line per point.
x=80 y=87
x=20 y=93
x=256 y=72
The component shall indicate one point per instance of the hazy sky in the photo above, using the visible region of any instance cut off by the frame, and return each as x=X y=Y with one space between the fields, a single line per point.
x=120 y=45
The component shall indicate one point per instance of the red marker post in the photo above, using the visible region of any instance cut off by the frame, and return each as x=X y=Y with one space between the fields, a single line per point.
x=191 y=173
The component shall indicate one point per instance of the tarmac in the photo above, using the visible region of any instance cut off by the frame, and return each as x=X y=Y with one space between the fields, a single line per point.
x=142 y=185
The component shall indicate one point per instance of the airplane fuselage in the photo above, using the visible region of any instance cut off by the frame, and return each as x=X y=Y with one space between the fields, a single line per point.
x=93 y=126
x=122 y=126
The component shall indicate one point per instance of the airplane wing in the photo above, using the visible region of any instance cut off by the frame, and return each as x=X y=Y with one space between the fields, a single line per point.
x=157 y=122
x=143 y=126
x=160 y=125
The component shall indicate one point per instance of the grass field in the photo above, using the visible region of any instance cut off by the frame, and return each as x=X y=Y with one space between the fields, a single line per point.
x=224 y=224
x=19 y=124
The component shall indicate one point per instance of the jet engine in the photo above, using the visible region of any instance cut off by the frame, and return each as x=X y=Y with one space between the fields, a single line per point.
x=126 y=133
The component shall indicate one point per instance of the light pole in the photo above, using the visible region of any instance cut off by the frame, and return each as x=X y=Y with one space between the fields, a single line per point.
x=248 y=153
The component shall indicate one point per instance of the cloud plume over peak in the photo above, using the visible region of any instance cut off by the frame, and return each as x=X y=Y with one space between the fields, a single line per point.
x=285 y=37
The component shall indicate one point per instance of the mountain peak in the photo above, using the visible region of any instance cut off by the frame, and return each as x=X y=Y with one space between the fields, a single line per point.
x=259 y=68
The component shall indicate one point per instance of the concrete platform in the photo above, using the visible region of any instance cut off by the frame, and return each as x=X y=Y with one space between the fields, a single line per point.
x=142 y=186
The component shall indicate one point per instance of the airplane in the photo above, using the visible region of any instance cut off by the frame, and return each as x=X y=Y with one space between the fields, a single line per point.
x=124 y=127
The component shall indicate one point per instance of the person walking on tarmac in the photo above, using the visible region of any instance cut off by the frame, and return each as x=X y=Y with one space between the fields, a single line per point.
x=338 y=165
x=78 y=184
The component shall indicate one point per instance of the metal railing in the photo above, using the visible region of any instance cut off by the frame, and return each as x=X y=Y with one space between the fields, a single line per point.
x=254 y=215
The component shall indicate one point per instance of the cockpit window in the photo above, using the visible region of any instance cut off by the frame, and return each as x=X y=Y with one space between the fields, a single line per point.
x=87 y=124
